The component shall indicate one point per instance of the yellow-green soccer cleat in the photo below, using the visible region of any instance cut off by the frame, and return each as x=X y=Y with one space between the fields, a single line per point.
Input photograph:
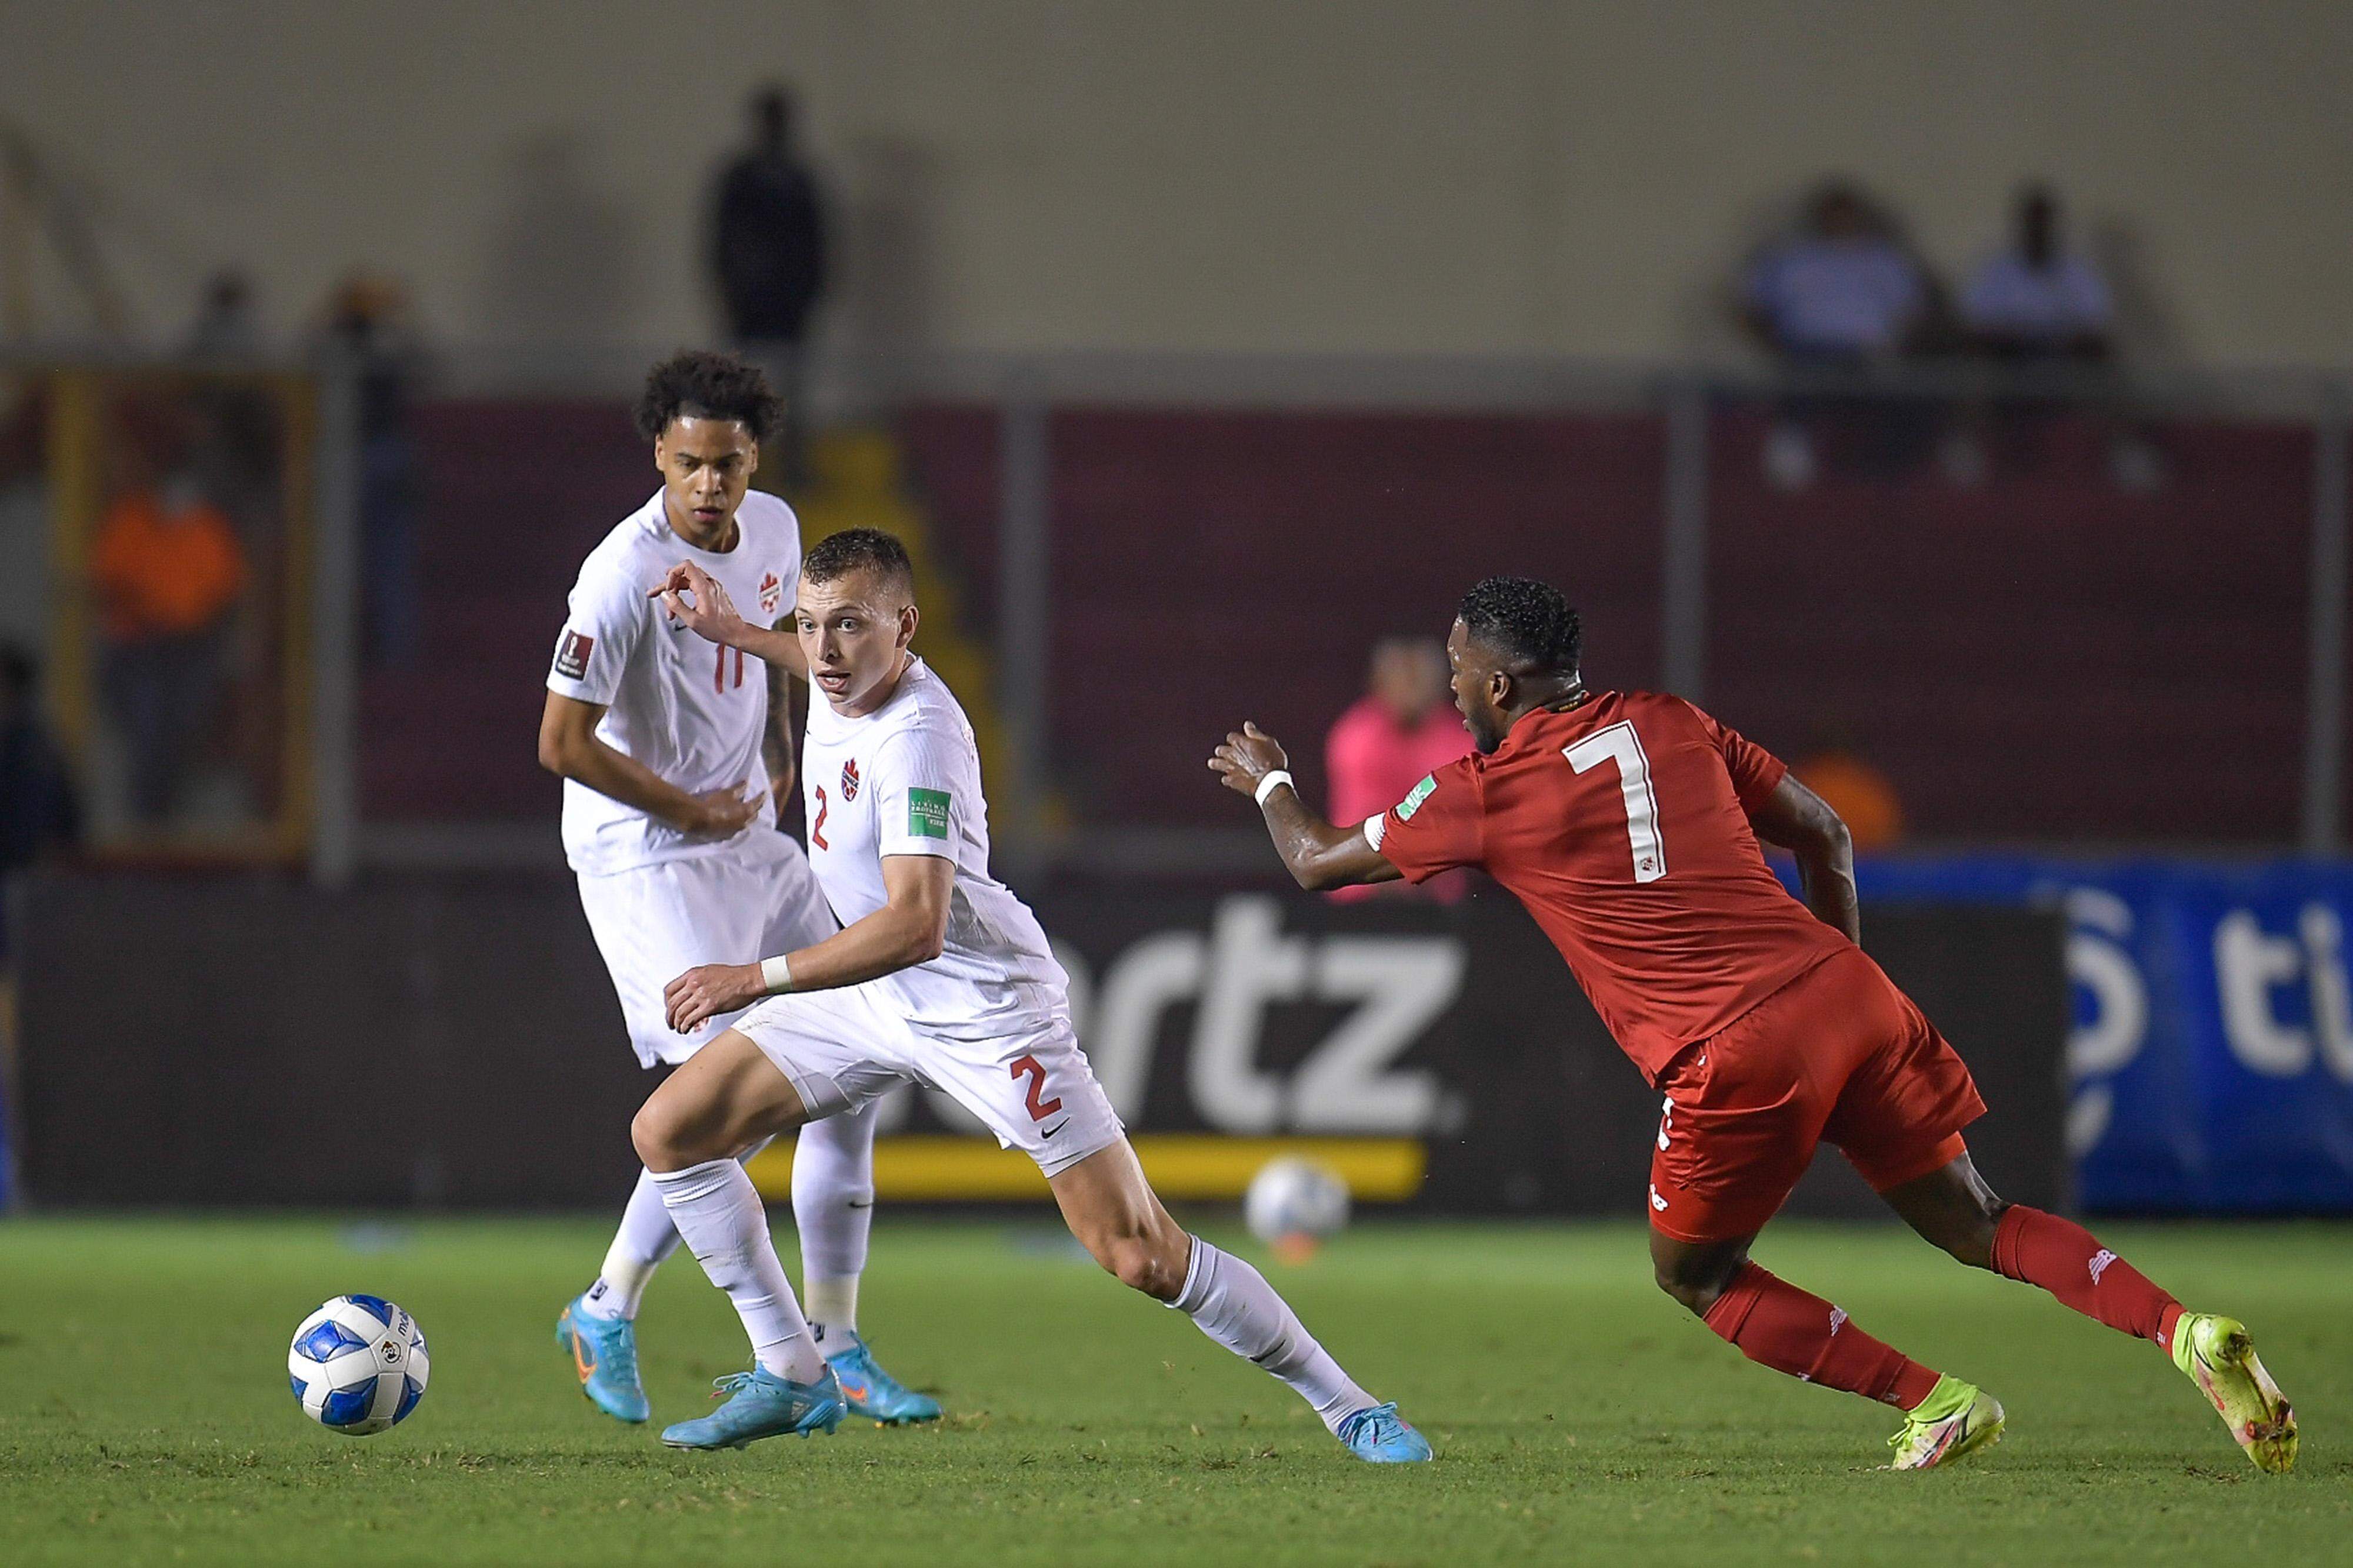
x=2220 y=1357
x=1956 y=1419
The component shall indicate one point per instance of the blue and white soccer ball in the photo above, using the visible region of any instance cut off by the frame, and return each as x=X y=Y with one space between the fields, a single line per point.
x=359 y=1364
x=1294 y=1204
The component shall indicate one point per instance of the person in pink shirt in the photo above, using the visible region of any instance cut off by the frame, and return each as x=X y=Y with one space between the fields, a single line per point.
x=1402 y=730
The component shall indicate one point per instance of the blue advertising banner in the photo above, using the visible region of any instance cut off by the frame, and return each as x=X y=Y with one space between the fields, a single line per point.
x=2210 y=1058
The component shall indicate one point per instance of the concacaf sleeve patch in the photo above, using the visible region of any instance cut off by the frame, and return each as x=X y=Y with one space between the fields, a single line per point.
x=927 y=813
x=571 y=655
x=1415 y=797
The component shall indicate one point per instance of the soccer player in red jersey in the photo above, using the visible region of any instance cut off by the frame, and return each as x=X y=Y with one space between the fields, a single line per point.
x=1629 y=824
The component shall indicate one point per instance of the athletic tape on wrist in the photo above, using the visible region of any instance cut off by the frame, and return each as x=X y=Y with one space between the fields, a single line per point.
x=776 y=975
x=1269 y=784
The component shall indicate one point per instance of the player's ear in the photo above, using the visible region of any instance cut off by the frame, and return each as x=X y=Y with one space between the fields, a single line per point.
x=908 y=617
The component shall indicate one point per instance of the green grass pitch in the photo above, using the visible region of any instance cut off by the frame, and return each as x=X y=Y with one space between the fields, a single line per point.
x=144 y=1416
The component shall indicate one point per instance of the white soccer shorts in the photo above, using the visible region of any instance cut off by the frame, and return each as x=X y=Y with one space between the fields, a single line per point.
x=750 y=899
x=847 y=1048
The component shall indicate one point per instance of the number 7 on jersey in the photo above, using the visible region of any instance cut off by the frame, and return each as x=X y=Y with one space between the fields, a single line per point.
x=1620 y=742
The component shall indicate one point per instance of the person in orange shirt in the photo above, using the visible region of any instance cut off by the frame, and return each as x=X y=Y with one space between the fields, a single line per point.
x=1865 y=797
x=168 y=572
x=1402 y=730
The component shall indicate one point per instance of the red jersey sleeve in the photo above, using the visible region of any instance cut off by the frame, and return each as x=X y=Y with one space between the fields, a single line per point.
x=1438 y=827
x=1755 y=772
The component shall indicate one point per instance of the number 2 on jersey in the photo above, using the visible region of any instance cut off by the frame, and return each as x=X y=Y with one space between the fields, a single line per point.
x=816 y=828
x=1620 y=742
x=1035 y=1071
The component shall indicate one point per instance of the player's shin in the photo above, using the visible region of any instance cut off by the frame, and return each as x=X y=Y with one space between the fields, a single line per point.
x=833 y=1207
x=647 y=1237
x=2067 y=1261
x=718 y=1214
x=1232 y=1303
x=1775 y=1324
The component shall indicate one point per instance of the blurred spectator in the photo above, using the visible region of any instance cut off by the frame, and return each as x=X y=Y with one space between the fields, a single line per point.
x=1841 y=291
x=1864 y=796
x=37 y=812
x=2039 y=302
x=768 y=252
x=25 y=591
x=224 y=328
x=2037 y=299
x=367 y=332
x=37 y=807
x=1403 y=728
x=169 y=571
x=1842 y=287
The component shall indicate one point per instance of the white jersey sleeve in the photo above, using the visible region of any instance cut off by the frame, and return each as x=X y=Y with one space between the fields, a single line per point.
x=608 y=616
x=920 y=789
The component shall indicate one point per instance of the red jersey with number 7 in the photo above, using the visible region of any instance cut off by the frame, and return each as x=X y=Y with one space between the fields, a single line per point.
x=1622 y=824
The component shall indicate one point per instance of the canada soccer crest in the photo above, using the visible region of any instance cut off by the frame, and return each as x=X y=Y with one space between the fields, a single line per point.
x=772 y=593
x=850 y=779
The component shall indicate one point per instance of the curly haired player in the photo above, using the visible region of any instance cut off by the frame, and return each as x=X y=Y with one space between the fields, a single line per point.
x=1628 y=824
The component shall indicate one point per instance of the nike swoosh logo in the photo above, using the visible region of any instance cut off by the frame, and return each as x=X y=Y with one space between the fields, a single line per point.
x=587 y=1365
x=1058 y=1126
x=854 y=1204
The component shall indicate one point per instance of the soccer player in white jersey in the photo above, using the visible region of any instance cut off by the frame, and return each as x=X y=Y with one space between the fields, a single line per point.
x=672 y=750
x=940 y=976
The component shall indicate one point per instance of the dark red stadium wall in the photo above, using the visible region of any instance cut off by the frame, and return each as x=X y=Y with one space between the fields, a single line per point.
x=2047 y=656
x=2043 y=656
x=515 y=495
x=1211 y=567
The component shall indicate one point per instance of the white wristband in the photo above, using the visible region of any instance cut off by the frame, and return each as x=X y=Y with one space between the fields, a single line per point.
x=776 y=975
x=1272 y=782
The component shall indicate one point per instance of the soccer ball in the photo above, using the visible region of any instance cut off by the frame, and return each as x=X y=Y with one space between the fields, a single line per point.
x=1294 y=1204
x=359 y=1364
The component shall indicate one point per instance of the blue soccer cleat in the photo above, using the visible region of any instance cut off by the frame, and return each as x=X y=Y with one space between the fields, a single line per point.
x=762 y=1405
x=604 y=1353
x=1382 y=1437
x=874 y=1393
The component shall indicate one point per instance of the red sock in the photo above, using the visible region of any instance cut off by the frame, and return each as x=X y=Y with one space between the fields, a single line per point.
x=2069 y=1261
x=1776 y=1324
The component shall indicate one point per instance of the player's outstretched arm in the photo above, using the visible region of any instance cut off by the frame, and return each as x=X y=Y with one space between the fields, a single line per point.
x=710 y=613
x=1802 y=822
x=911 y=928
x=1318 y=854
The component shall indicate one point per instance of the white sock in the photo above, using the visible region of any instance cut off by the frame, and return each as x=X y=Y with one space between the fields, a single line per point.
x=718 y=1214
x=1232 y=1303
x=645 y=1238
x=833 y=1205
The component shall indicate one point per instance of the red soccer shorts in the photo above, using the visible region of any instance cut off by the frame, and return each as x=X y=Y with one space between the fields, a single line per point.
x=1837 y=1055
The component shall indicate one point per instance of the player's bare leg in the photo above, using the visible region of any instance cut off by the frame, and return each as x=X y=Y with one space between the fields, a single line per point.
x=1775 y=1324
x=1953 y=1207
x=1115 y=1214
x=690 y=1133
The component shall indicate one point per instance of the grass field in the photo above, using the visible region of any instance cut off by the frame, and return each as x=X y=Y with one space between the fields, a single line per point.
x=144 y=1415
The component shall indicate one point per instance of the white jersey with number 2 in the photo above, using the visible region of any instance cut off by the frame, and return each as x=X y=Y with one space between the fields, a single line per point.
x=905 y=780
